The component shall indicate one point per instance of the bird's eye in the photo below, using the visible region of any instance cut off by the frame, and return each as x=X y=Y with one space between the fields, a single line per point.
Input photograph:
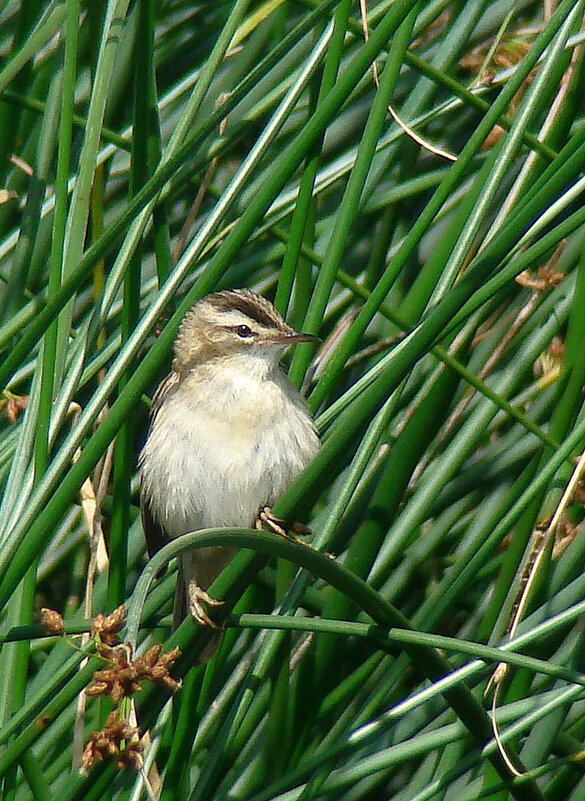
x=243 y=331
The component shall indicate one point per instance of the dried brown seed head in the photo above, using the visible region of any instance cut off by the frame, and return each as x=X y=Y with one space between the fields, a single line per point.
x=118 y=740
x=52 y=621
x=106 y=627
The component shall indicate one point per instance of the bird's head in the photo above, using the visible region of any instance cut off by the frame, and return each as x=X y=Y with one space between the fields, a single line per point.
x=234 y=323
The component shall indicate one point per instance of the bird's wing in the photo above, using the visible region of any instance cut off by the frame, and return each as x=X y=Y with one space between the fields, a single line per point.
x=166 y=387
x=153 y=532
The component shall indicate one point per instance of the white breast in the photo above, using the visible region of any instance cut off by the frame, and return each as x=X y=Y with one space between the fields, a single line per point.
x=221 y=449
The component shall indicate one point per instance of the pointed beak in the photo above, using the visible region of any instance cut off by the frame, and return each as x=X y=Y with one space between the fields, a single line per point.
x=298 y=336
x=293 y=338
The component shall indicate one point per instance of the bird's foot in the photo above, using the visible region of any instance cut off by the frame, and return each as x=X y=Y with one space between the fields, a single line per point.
x=197 y=597
x=277 y=525
x=266 y=517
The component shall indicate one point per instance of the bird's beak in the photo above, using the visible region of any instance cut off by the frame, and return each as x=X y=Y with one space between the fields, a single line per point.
x=298 y=336
x=293 y=337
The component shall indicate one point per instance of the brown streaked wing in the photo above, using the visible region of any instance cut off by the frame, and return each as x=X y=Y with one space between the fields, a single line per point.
x=153 y=532
x=166 y=386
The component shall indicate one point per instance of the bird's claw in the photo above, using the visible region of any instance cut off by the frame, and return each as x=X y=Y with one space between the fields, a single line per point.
x=277 y=525
x=197 y=597
x=266 y=517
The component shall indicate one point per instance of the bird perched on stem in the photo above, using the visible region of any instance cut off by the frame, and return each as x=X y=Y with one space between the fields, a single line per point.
x=228 y=435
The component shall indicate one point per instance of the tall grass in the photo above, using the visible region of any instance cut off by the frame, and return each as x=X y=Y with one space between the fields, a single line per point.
x=152 y=152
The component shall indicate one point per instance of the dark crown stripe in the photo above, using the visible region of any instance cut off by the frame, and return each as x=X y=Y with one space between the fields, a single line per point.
x=253 y=306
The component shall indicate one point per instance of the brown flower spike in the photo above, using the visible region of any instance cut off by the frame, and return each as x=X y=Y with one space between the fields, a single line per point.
x=122 y=679
x=106 y=627
x=52 y=621
x=118 y=740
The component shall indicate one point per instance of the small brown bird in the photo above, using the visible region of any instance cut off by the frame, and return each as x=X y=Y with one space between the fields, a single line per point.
x=228 y=435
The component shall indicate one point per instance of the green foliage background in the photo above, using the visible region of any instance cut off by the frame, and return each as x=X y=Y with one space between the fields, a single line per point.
x=445 y=446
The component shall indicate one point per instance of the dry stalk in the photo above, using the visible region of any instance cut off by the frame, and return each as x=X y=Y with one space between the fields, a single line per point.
x=541 y=542
x=401 y=124
x=91 y=504
x=547 y=278
x=194 y=210
x=328 y=348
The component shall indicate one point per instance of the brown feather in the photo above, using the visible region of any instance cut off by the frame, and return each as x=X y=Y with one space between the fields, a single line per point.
x=154 y=533
x=249 y=303
x=166 y=387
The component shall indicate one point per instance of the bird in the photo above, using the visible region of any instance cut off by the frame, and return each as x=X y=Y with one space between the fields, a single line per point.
x=228 y=434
